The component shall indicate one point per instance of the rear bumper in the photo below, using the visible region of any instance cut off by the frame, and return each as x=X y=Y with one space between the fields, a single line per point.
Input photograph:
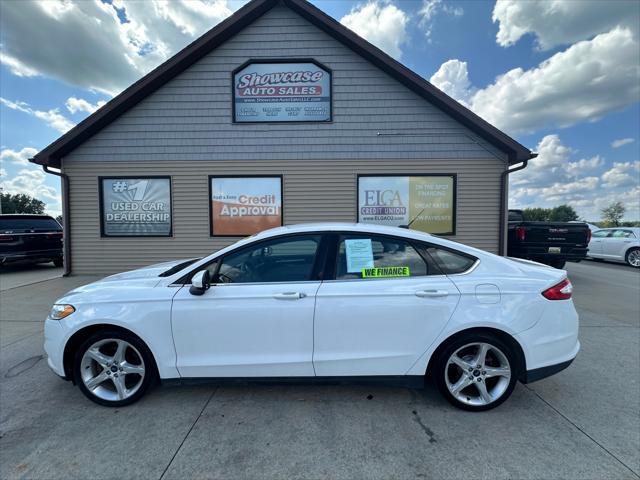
x=544 y=372
x=542 y=253
x=552 y=343
x=32 y=255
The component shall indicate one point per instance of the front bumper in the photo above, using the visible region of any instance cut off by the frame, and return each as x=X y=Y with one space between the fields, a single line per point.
x=54 y=341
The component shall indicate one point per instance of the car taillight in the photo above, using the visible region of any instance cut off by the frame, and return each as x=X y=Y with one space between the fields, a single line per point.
x=561 y=291
x=588 y=235
x=7 y=238
x=54 y=235
x=521 y=233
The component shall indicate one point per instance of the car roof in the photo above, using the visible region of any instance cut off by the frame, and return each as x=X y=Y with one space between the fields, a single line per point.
x=342 y=227
x=24 y=215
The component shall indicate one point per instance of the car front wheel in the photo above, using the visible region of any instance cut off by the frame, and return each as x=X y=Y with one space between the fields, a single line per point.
x=113 y=368
x=476 y=372
x=633 y=257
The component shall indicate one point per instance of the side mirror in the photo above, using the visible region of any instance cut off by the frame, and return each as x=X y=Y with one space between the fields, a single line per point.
x=200 y=283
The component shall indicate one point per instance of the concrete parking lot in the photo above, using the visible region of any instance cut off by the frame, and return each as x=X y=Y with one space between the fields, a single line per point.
x=582 y=423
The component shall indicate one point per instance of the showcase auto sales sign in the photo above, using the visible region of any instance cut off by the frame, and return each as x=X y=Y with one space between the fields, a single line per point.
x=282 y=92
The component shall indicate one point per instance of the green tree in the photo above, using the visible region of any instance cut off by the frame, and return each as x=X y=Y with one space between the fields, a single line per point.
x=563 y=213
x=536 y=214
x=612 y=215
x=20 y=203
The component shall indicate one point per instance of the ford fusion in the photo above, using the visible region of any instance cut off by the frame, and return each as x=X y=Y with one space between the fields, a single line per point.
x=323 y=303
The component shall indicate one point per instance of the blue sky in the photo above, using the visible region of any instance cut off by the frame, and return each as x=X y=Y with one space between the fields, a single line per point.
x=560 y=76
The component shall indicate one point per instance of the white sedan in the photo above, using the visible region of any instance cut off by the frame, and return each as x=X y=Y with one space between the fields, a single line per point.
x=320 y=302
x=620 y=244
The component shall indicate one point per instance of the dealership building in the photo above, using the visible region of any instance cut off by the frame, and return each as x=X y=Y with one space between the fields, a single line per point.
x=279 y=115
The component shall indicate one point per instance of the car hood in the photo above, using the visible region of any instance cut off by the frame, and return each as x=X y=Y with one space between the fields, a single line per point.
x=108 y=287
x=150 y=271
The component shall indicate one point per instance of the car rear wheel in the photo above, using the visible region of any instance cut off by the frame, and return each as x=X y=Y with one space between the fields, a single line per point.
x=476 y=372
x=633 y=257
x=114 y=368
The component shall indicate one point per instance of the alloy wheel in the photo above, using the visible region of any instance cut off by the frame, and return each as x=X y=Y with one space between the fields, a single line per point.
x=112 y=369
x=477 y=374
x=634 y=258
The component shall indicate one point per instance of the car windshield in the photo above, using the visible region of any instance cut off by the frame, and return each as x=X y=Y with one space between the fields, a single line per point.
x=178 y=267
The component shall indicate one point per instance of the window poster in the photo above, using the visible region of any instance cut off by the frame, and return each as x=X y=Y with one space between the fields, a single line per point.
x=245 y=205
x=425 y=203
x=136 y=207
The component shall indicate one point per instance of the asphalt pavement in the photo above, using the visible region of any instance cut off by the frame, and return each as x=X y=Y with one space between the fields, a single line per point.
x=583 y=423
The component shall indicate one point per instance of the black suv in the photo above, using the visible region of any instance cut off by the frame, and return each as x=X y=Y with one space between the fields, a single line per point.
x=37 y=238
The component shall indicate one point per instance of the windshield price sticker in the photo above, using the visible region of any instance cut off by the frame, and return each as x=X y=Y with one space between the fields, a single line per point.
x=379 y=272
x=359 y=254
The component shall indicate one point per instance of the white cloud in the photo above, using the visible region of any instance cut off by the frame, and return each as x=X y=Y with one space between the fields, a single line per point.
x=561 y=22
x=622 y=174
x=19 y=157
x=107 y=55
x=622 y=141
x=587 y=184
x=431 y=8
x=74 y=105
x=31 y=181
x=52 y=117
x=382 y=24
x=582 y=83
x=453 y=79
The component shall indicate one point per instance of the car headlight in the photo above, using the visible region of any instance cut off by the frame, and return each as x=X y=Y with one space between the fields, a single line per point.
x=58 y=312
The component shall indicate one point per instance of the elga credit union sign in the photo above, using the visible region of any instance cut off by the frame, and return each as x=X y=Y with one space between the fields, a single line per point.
x=136 y=207
x=282 y=92
x=427 y=202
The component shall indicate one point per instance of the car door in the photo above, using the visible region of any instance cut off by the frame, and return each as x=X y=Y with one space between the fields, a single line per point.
x=615 y=246
x=256 y=320
x=381 y=310
x=597 y=240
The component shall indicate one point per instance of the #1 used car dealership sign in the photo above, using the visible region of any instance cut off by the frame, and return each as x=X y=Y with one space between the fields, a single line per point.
x=282 y=92
x=133 y=207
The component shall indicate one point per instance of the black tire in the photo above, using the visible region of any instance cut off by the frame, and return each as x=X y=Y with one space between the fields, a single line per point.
x=58 y=262
x=148 y=380
x=628 y=256
x=441 y=368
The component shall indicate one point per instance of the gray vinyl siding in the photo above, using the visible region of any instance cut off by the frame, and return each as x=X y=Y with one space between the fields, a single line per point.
x=185 y=130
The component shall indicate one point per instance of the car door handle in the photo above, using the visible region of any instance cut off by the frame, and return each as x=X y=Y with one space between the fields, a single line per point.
x=431 y=293
x=289 y=295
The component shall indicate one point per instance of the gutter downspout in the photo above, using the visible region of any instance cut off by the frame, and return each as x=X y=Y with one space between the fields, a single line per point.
x=504 y=179
x=66 y=219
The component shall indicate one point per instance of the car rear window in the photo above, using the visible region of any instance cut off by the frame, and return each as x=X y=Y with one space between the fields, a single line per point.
x=37 y=224
x=451 y=262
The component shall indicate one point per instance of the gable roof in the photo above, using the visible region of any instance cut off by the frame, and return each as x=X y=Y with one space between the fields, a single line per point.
x=131 y=96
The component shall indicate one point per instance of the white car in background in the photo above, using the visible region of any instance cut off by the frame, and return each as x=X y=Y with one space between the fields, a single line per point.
x=620 y=244
x=317 y=303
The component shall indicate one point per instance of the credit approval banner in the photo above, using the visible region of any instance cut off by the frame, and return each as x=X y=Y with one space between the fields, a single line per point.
x=428 y=201
x=136 y=207
x=245 y=205
x=282 y=92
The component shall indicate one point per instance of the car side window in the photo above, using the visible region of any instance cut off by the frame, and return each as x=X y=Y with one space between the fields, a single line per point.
x=288 y=259
x=451 y=263
x=622 y=234
x=372 y=256
x=601 y=234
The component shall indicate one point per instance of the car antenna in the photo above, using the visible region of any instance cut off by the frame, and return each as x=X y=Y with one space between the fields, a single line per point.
x=413 y=220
